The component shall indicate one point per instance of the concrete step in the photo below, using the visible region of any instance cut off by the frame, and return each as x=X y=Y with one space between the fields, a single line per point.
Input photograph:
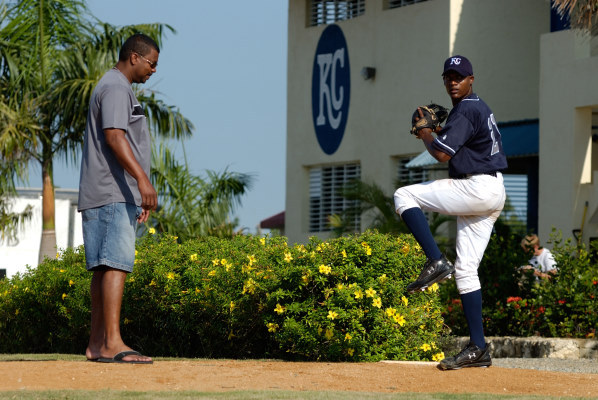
x=532 y=347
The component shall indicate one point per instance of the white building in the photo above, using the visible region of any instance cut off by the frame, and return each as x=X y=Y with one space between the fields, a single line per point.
x=358 y=68
x=23 y=252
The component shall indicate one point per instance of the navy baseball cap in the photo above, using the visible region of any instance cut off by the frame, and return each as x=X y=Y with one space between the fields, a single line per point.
x=459 y=64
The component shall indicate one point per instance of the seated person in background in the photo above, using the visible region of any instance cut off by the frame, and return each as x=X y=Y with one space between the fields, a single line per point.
x=542 y=261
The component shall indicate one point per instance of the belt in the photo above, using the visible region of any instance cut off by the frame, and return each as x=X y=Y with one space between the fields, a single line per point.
x=465 y=176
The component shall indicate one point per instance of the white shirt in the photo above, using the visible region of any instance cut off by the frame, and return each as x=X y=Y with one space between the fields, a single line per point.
x=543 y=262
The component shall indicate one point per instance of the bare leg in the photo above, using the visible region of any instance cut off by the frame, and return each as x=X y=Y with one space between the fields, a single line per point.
x=106 y=318
x=96 y=338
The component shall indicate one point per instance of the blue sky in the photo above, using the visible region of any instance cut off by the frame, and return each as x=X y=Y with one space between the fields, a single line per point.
x=225 y=69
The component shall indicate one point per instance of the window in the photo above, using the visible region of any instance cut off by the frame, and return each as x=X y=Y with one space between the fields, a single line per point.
x=325 y=184
x=515 y=212
x=322 y=12
x=409 y=176
x=399 y=3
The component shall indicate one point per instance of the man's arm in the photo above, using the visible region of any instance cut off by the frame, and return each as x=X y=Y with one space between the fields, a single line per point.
x=115 y=138
x=426 y=136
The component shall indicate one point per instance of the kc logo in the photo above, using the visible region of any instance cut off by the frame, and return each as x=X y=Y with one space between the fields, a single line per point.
x=331 y=86
x=455 y=61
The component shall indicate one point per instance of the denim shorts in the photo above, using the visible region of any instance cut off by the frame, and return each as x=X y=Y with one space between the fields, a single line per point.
x=109 y=236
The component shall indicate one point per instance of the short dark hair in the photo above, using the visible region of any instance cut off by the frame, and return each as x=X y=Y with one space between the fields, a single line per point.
x=138 y=43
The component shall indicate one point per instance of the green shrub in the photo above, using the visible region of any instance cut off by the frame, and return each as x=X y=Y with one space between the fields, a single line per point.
x=237 y=298
x=516 y=305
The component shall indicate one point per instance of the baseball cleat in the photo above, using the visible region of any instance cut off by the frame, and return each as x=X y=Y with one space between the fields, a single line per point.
x=434 y=271
x=470 y=356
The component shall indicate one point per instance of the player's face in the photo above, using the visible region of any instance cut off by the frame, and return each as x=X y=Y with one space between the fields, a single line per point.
x=457 y=86
x=146 y=65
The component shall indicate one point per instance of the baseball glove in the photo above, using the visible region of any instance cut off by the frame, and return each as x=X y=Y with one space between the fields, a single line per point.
x=434 y=115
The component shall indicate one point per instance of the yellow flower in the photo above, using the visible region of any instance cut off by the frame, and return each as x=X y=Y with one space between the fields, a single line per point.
x=152 y=283
x=340 y=286
x=433 y=288
x=127 y=321
x=57 y=255
x=438 y=356
x=399 y=319
x=332 y=314
x=350 y=351
x=329 y=333
x=193 y=257
x=64 y=295
x=359 y=294
x=215 y=262
x=305 y=278
x=263 y=241
x=170 y=275
x=197 y=291
x=251 y=259
x=390 y=311
x=377 y=302
x=279 y=309
x=324 y=269
x=405 y=249
x=152 y=231
x=62 y=271
x=344 y=253
x=422 y=327
x=382 y=278
x=136 y=253
x=319 y=247
x=348 y=336
x=288 y=257
x=405 y=301
x=425 y=347
x=212 y=273
x=232 y=306
x=71 y=283
x=302 y=248
x=249 y=286
x=223 y=261
x=272 y=327
x=370 y=292
x=368 y=249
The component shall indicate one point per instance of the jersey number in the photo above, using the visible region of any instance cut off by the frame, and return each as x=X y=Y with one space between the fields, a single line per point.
x=493 y=128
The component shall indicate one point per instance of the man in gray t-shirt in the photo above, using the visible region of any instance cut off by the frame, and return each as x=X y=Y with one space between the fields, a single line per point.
x=115 y=193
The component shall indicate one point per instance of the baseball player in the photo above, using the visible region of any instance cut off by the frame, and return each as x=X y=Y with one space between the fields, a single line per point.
x=471 y=144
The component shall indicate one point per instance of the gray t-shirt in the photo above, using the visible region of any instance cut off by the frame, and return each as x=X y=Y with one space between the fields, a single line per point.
x=103 y=180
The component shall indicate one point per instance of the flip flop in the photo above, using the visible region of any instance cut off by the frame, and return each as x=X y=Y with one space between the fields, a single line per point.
x=118 y=358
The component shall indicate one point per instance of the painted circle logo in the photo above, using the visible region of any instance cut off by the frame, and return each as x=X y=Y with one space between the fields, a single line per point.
x=330 y=88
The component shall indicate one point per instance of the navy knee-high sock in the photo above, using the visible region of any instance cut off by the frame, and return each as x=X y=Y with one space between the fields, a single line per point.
x=416 y=221
x=472 y=307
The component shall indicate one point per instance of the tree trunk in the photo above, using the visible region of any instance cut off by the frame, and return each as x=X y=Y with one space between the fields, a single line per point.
x=47 y=247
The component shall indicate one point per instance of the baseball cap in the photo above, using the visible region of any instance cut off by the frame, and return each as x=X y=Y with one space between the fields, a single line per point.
x=459 y=64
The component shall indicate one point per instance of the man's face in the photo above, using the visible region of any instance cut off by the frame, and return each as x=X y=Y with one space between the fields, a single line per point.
x=146 y=65
x=457 y=86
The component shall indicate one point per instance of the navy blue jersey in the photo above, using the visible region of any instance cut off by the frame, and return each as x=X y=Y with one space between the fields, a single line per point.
x=471 y=137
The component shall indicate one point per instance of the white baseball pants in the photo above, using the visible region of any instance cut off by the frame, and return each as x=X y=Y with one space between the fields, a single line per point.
x=476 y=201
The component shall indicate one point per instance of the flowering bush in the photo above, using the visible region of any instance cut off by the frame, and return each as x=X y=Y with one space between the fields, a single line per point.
x=343 y=299
x=564 y=306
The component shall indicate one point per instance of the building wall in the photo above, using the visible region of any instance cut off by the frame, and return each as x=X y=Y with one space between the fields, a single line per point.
x=16 y=256
x=568 y=156
x=407 y=46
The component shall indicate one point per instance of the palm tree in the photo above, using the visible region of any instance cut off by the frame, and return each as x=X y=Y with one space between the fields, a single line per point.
x=583 y=13
x=192 y=206
x=52 y=53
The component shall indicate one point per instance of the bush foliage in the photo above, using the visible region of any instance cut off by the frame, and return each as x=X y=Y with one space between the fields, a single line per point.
x=242 y=297
x=518 y=304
